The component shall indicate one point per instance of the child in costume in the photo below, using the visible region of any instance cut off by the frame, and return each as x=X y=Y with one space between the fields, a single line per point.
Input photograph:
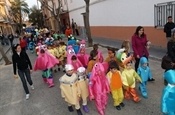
x=99 y=56
x=129 y=77
x=69 y=88
x=70 y=53
x=99 y=87
x=83 y=87
x=82 y=56
x=145 y=73
x=168 y=94
x=115 y=82
x=75 y=62
x=45 y=62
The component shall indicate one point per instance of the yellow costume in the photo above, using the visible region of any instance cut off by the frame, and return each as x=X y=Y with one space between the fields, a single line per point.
x=69 y=89
x=116 y=87
x=129 y=77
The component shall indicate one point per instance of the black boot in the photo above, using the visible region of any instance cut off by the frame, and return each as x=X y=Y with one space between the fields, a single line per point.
x=122 y=104
x=70 y=108
x=118 y=107
x=79 y=112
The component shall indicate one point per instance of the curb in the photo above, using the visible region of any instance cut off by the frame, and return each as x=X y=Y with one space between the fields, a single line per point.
x=5 y=53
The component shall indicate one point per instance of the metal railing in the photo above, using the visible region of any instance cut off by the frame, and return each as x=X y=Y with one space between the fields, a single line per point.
x=161 y=13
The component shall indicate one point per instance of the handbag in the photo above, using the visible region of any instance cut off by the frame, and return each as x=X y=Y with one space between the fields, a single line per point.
x=166 y=62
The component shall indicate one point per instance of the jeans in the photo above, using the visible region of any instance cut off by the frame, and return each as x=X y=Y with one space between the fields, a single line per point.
x=25 y=74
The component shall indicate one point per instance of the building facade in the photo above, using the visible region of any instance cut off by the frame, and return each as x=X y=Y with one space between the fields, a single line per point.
x=118 y=19
x=6 y=23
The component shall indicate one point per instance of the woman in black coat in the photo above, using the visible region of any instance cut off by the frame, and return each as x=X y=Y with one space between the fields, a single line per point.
x=22 y=62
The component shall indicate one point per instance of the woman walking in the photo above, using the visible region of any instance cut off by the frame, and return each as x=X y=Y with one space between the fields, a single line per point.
x=22 y=62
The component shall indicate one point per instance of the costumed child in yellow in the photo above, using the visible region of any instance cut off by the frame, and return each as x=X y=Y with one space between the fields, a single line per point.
x=129 y=77
x=83 y=86
x=69 y=88
x=115 y=82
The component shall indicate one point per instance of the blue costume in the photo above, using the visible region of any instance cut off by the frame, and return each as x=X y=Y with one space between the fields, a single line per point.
x=145 y=73
x=73 y=43
x=168 y=95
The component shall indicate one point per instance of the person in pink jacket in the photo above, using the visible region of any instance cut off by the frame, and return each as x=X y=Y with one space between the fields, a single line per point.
x=140 y=45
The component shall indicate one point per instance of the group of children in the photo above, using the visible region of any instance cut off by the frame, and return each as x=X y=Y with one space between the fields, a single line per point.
x=92 y=76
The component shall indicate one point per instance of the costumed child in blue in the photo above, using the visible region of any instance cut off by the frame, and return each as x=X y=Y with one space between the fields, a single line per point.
x=168 y=95
x=145 y=73
x=73 y=42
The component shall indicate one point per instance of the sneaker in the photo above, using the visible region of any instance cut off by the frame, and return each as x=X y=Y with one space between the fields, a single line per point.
x=152 y=79
x=85 y=108
x=32 y=87
x=118 y=107
x=122 y=104
x=27 y=96
x=70 y=108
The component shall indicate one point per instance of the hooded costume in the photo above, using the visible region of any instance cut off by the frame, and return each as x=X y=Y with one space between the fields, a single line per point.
x=45 y=62
x=70 y=53
x=73 y=43
x=99 y=87
x=168 y=94
x=145 y=73
x=129 y=76
x=76 y=63
x=82 y=56
x=69 y=88
x=83 y=86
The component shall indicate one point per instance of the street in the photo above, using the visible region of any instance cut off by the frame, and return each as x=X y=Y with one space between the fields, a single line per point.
x=48 y=101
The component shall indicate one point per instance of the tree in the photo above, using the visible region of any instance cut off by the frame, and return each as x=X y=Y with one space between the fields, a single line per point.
x=7 y=62
x=36 y=17
x=18 y=8
x=55 y=10
x=87 y=25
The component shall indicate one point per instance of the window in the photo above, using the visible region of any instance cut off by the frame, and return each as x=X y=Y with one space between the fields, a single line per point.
x=161 y=13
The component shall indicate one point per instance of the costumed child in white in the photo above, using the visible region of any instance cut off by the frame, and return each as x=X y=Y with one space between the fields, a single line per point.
x=83 y=86
x=69 y=88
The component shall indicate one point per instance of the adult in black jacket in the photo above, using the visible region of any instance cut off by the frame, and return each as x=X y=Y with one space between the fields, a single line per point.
x=168 y=27
x=22 y=62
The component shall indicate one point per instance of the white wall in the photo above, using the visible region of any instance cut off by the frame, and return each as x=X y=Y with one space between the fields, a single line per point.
x=116 y=12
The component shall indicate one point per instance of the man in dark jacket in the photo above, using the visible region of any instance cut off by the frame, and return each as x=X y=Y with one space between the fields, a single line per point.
x=168 y=27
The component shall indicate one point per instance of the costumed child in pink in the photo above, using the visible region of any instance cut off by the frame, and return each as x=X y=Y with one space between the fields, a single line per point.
x=82 y=56
x=45 y=62
x=70 y=53
x=76 y=63
x=99 y=55
x=99 y=87
x=69 y=89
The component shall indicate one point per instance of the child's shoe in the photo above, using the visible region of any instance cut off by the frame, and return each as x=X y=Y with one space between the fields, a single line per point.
x=122 y=104
x=152 y=79
x=79 y=112
x=27 y=96
x=70 y=108
x=118 y=107
x=85 y=108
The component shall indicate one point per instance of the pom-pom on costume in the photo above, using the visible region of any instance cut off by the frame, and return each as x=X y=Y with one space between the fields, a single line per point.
x=99 y=87
x=82 y=56
x=145 y=73
x=45 y=62
x=168 y=95
x=83 y=86
x=69 y=89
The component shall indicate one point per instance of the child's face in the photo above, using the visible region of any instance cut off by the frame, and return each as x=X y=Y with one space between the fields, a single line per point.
x=114 y=70
x=74 y=61
x=144 y=65
x=110 y=54
x=70 y=72
x=128 y=66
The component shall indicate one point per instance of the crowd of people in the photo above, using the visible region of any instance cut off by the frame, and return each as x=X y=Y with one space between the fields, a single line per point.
x=91 y=75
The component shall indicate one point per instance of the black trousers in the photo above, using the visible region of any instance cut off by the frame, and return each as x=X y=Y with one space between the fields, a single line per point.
x=25 y=74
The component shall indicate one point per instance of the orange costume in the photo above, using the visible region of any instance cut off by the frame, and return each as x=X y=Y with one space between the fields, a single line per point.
x=68 y=32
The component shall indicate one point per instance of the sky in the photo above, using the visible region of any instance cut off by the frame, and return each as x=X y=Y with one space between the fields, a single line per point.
x=32 y=2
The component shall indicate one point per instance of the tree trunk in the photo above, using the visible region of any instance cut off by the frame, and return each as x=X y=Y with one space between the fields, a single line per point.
x=57 y=23
x=87 y=26
x=7 y=62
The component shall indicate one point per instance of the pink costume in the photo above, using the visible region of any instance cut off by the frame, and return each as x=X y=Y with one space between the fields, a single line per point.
x=82 y=56
x=76 y=64
x=99 y=87
x=70 y=53
x=100 y=56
